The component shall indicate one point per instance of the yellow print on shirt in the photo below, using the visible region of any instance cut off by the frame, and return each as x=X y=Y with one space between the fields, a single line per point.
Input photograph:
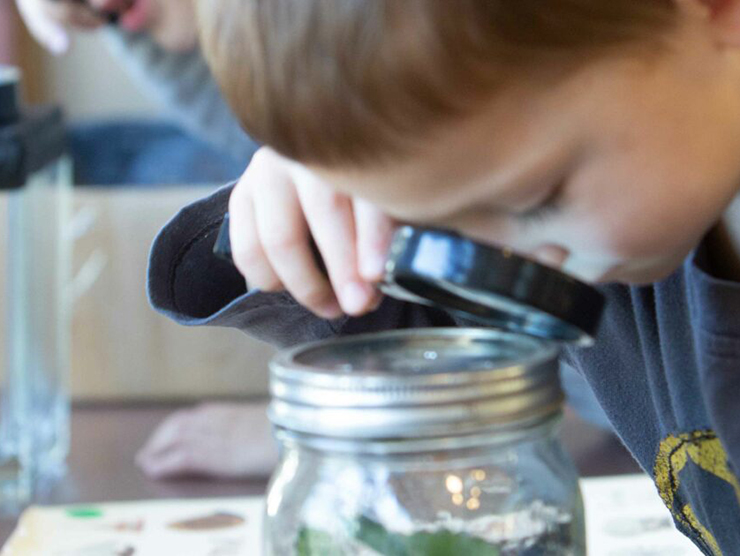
x=704 y=449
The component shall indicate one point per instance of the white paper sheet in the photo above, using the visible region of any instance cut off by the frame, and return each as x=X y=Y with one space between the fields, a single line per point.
x=624 y=517
x=228 y=527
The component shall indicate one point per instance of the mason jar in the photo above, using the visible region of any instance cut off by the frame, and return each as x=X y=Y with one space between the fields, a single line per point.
x=421 y=442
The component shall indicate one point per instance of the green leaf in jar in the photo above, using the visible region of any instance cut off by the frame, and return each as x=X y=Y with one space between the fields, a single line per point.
x=316 y=543
x=440 y=543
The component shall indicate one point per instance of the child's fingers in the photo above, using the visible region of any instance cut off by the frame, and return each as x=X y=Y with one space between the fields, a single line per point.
x=167 y=452
x=168 y=433
x=374 y=235
x=284 y=235
x=176 y=463
x=331 y=219
x=247 y=253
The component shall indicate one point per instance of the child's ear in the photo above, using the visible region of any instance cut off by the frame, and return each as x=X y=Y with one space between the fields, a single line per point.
x=722 y=15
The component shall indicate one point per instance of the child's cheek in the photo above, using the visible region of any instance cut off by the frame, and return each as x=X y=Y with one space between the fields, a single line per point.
x=639 y=253
x=592 y=253
x=591 y=266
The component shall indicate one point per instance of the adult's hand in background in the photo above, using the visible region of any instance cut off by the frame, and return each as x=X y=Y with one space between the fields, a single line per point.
x=49 y=21
x=221 y=440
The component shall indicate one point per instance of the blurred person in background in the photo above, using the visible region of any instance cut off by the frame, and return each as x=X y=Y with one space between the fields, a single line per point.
x=156 y=40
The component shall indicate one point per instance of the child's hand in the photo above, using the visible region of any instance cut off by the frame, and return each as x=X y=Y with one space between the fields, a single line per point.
x=48 y=20
x=275 y=209
x=224 y=440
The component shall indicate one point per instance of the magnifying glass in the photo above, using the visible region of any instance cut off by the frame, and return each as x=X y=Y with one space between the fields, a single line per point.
x=489 y=286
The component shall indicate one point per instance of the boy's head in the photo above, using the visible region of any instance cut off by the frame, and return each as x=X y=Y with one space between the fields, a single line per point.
x=602 y=135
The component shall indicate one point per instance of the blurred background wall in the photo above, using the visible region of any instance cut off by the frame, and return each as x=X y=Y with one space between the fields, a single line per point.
x=89 y=85
x=8 y=39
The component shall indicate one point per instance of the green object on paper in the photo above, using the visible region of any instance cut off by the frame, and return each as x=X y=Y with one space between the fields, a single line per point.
x=376 y=537
x=81 y=512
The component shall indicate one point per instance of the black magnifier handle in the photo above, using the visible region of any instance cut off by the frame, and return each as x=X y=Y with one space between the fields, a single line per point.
x=222 y=246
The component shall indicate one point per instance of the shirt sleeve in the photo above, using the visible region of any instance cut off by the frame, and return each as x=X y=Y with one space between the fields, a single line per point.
x=716 y=307
x=716 y=302
x=189 y=284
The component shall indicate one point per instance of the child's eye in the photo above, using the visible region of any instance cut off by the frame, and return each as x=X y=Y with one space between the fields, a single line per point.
x=544 y=210
x=538 y=214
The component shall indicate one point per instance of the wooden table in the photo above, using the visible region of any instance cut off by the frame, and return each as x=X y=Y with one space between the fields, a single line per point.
x=106 y=438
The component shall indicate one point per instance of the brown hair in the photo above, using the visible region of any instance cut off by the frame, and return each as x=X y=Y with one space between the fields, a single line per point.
x=338 y=82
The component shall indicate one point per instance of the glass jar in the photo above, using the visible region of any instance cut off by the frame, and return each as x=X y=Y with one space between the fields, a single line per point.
x=421 y=442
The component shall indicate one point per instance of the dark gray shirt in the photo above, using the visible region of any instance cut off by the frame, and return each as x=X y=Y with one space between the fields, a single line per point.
x=665 y=368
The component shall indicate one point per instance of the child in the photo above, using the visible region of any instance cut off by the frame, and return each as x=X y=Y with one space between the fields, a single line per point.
x=601 y=137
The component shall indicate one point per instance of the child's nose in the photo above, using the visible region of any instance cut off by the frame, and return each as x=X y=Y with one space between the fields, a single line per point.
x=551 y=255
x=108 y=6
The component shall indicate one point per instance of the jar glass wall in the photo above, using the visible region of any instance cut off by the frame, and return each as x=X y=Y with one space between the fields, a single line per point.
x=515 y=494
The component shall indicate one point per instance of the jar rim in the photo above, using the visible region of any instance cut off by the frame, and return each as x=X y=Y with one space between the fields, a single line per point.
x=493 y=437
x=361 y=386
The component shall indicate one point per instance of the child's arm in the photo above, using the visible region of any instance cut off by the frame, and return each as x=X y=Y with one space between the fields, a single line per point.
x=189 y=284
